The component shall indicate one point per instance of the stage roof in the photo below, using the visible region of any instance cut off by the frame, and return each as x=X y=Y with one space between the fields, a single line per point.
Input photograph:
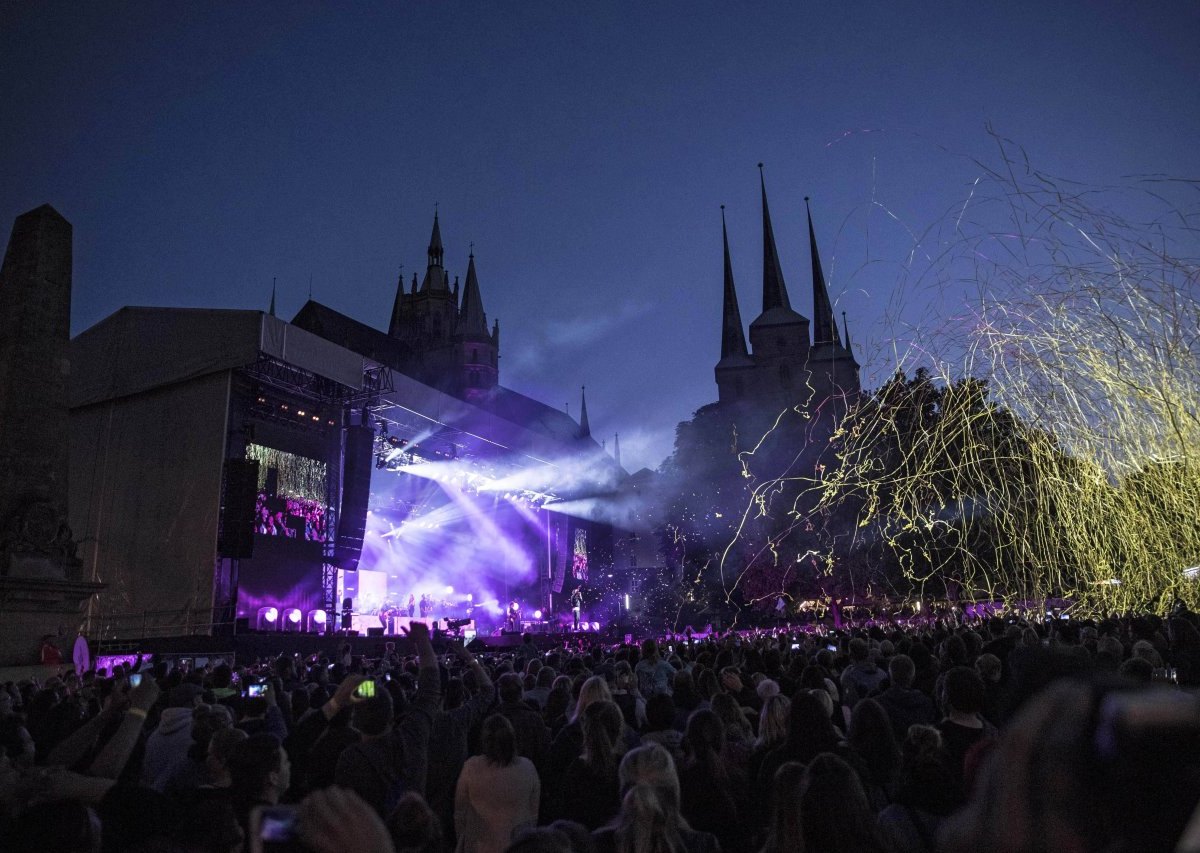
x=136 y=349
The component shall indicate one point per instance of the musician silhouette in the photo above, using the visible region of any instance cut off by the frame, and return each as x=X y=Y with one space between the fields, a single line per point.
x=576 y=605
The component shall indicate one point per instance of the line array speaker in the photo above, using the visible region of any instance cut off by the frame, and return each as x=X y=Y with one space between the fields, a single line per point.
x=356 y=489
x=237 y=508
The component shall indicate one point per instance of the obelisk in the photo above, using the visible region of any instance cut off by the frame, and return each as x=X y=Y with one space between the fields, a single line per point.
x=40 y=588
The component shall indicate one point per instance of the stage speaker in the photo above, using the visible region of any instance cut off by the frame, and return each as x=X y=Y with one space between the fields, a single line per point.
x=237 y=508
x=374 y=632
x=356 y=488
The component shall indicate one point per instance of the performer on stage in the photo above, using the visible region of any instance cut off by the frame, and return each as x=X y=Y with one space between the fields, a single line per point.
x=412 y=605
x=514 y=616
x=576 y=605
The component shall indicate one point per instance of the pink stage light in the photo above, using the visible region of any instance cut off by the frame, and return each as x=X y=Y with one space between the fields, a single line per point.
x=294 y=615
x=318 y=616
x=270 y=614
x=537 y=614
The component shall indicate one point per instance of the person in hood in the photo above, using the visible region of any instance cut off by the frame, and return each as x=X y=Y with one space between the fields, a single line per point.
x=862 y=677
x=167 y=747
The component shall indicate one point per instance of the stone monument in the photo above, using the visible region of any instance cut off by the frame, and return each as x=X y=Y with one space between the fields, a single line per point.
x=41 y=591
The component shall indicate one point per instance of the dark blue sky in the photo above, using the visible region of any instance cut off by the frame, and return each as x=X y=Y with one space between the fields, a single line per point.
x=585 y=148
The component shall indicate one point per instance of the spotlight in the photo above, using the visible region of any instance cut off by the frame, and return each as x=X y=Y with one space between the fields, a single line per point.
x=267 y=617
x=318 y=616
x=595 y=626
x=449 y=590
x=470 y=597
x=537 y=614
x=294 y=615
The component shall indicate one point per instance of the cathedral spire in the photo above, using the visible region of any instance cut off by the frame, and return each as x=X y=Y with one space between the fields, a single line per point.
x=435 y=275
x=271 y=310
x=472 y=322
x=397 y=305
x=585 y=430
x=733 y=337
x=435 y=243
x=774 y=290
x=825 y=330
x=846 y=333
x=617 y=448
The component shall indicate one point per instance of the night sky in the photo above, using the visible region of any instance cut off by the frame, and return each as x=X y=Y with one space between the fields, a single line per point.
x=585 y=148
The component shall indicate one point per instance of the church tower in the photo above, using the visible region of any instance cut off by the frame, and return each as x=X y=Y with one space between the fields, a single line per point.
x=449 y=340
x=735 y=370
x=782 y=366
x=779 y=335
x=477 y=349
x=832 y=365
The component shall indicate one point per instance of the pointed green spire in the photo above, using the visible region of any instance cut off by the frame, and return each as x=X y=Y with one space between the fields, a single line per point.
x=774 y=290
x=473 y=320
x=733 y=335
x=825 y=330
x=585 y=429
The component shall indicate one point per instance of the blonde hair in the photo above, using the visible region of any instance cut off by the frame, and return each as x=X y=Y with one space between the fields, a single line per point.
x=595 y=689
x=644 y=825
x=653 y=766
x=773 y=720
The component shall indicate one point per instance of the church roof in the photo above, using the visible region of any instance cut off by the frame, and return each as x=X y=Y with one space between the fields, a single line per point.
x=825 y=328
x=504 y=403
x=733 y=337
x=347 y=332
x=778 y=316
x=776 y=307
x=474 y=321
x=435 y=239
x=530 y=413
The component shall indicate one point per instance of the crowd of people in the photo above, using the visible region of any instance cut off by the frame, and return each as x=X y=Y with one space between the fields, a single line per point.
x=295 y=518
x=1001 y=735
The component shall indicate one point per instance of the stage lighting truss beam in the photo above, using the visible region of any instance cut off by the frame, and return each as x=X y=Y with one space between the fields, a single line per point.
x=329 y=576
x=377 y=381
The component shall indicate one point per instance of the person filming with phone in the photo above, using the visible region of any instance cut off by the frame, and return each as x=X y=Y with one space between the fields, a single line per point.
x=393 y=756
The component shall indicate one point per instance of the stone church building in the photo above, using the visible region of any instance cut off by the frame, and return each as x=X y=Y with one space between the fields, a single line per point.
x=785 y=364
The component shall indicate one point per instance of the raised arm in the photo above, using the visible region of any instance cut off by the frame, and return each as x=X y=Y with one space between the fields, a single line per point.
x=113 y=757
x=429 y=681
x=71 y=750
x=483 y=682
